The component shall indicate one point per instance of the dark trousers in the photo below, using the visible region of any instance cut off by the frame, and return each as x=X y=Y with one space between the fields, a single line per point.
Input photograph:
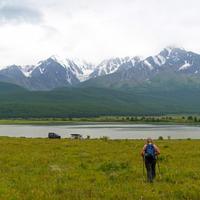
x=150 y=164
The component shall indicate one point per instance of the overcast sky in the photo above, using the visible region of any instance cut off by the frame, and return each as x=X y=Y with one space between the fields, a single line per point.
x=32 y=30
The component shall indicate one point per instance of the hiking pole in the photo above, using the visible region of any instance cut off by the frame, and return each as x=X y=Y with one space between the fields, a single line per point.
x=143 y=167
x=143 y=164
x=158 y=164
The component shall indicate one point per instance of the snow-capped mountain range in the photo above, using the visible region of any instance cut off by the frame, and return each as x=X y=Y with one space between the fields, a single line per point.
x=55 y=72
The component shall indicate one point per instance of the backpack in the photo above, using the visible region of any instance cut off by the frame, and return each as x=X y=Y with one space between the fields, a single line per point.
x=150 y=151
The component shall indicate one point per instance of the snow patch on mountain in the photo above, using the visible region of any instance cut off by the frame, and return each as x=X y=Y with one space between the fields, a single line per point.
x=161 y=59
x=83 y=69
x=27 y=70
x=156 y=61
x=41 y=70
x=109 y=66
x=169 y=50
x=185 y=66
x=80 y=68
x=148 y=65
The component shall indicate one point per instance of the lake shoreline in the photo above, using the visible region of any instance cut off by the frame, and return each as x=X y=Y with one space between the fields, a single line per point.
x=83 y=122
x=97 y=139
x=103 y=130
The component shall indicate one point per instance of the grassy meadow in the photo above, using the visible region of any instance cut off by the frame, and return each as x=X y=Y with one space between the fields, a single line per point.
x=95 y=169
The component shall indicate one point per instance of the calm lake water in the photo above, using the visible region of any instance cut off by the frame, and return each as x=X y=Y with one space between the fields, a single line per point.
x=113 y=131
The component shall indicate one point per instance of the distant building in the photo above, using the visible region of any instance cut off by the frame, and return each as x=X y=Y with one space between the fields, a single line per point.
x=76 y=136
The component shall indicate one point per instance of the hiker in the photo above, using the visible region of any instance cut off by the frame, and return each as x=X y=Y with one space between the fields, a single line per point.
x=149 y=153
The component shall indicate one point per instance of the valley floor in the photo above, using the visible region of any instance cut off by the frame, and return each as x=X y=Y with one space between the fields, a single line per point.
x=95 y=169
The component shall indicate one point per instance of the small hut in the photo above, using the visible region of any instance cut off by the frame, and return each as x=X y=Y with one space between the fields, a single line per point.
x=76 y=136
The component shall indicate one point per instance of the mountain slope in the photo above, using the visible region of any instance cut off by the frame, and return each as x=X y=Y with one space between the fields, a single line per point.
x=7 y=88
x=87 y=102
x=55 y=72
x=172 y=63
x=110 y=66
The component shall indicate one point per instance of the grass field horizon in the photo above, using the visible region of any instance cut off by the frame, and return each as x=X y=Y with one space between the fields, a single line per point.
x=96 y=169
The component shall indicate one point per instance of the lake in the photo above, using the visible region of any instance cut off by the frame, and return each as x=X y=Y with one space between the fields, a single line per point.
x=97 y=130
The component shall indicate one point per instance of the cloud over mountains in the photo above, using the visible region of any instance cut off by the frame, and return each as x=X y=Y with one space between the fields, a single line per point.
x=91 y=29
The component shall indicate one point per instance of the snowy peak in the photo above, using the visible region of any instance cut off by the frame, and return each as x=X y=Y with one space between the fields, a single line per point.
x=158 y=60
x=56 y=72
x=12 y=70
x=161 y=58
x=135 y=60
x=168 y=56
x=79 y=68
x=110 y=66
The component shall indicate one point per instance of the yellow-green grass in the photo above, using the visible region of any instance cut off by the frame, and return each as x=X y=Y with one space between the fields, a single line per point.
x=96 y=169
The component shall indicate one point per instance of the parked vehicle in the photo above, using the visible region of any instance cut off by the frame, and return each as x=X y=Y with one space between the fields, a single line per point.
x=54 y=136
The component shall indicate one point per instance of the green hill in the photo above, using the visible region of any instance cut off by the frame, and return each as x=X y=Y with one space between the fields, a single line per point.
x=7 y=88
x=88 y=102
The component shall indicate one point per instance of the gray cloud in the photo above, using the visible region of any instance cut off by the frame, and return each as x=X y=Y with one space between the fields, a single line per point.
x=19 y=14
x=95 y=29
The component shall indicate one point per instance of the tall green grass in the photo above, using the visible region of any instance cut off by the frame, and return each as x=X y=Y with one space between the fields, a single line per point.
x=96 y=169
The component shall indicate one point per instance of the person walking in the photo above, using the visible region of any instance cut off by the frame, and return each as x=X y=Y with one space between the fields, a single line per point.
x=149 y=153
